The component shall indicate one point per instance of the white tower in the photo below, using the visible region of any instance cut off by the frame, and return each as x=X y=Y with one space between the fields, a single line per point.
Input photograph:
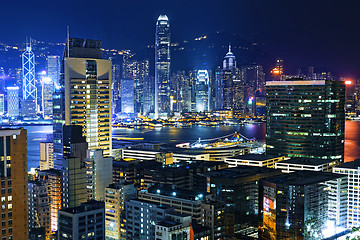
x=29 y=88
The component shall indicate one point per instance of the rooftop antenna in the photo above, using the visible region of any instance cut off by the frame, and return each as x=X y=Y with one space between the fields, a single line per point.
x=229 y=47
x=68 y=41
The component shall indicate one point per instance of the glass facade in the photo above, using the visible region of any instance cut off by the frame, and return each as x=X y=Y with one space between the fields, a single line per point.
x=162 y=65
x=83 y=96
x=305 y=118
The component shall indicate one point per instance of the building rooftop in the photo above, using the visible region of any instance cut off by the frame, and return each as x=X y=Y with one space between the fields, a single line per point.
x=350 y=165
x=307 y=161
x=136 y=163
x=85 y=207
x=181 y=193
x=238 y=172
x=167 y=224
x=255 y=157
x=302 y=178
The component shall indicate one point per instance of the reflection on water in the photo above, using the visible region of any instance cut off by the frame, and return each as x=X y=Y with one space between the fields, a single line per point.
x=36 y=134
x=192 y=134
x=352 y=140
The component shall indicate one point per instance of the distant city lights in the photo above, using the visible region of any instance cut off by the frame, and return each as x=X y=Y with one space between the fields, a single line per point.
x=275 y=71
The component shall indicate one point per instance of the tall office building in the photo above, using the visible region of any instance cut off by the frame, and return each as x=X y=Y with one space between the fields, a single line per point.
x=13 y=177
x=116 y=195
x=141 y=216
x=53 y=69
x=47 y=90
x=83 y=96
x=115 y=86
x=83 y=222
x=162 y=66
x=52 y=178
x=184 y=94
x=299 y=205
x=99 y=174
x=127 y=95
x=305 y=118
x=225 y=83
x=39 y=206
x=149 y=95
x=13 y=101
x=2 y=104
x=352 y=171
x=29 y=88
x=46 y=155
x=74 y=182
x=202 y=91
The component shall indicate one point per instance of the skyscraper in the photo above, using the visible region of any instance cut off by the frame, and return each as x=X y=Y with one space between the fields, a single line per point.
x=83 y=96
x=115 y=86
x=299 y=205
x=2 y=104
x=162 y=66
x=47 y=97
x=127 y=95
x=305 y=118
x=29 y=88
x=116 y=196
x=202 y=91
x=13 y=101
x=13 y=177
x=46 y=155
x=227 y=84
x=39 y=207
x=99 y=174
x=53 y=69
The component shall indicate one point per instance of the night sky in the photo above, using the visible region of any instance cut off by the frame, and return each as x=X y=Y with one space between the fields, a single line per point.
x=304 y=33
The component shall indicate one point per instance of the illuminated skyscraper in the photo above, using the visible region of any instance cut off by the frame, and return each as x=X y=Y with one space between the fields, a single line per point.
x=13 y=177
x=227 y=84
x=47 y=97
x=53 y=69
x=116 y=195
x=162 y=66
x=29 y=88
x=83 y=96
x=149 y=95
x=202 y=91
x=305 y=118
x=115 y=86
x=13 y=101
x=127 y=95
x=2 y=104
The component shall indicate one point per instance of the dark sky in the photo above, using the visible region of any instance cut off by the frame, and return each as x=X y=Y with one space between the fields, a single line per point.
x=303 y=32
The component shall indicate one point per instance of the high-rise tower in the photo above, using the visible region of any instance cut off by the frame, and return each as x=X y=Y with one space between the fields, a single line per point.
x=202 y=91
x=83 y=96
x=13 y=177
x=162 y=66
x=53 y=69
x=305 y=118
x=29 y=88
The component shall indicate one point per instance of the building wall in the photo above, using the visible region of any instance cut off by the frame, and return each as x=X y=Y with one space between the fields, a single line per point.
x=88 y=84
x=305 y=118
x=13 y=177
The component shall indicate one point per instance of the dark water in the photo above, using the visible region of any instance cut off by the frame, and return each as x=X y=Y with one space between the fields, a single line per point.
x=192 y=134
x=36 y=134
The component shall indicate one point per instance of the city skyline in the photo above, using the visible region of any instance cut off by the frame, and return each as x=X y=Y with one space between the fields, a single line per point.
x=158 y=120
x=301 y=34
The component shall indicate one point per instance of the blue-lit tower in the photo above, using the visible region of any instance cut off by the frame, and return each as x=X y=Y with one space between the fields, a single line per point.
x=29 y=88
x=202 y=91
x=162 y=67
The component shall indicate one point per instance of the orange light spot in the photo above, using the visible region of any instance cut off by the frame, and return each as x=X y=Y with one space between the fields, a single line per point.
x=275 y=71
